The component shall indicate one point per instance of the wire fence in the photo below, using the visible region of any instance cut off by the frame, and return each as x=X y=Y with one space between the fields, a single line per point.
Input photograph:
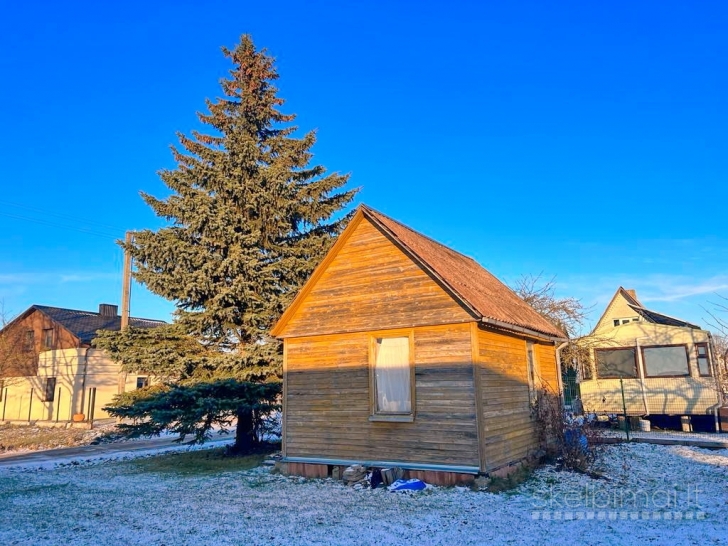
x=669 y=407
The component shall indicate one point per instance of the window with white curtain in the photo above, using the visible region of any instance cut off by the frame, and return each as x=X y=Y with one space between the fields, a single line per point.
x=392 y=376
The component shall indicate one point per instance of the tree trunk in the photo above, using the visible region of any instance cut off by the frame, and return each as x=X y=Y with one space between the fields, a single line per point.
x=244 y=438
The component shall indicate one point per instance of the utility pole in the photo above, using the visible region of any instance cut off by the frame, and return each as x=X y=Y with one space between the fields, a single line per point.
x=125 y=300
x=126 y=283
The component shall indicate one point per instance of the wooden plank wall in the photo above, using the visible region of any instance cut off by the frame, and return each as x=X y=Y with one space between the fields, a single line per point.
x=508 y=429
x=372 y=285
x=328 y=405
x=548 y=371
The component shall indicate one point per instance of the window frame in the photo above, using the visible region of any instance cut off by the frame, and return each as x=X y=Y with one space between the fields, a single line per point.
x=374 y=413
x=49 y=395
x=644 y=361
x=698 y=356
x=145 y=381
x=44 y=339
x=29 y=341
x=597 y=375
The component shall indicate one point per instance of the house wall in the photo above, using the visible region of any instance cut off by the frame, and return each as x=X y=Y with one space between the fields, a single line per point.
x=664 y=395
x=370 y=284
x=327 y=400
x=67 y=366
x=508 y=428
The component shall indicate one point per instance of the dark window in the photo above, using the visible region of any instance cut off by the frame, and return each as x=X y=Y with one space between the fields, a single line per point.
x=48 y=338
x=669 y=361
x=29 y=341
x=616 y=322
x=616 y=363
x=703 y=359
x=142 y=382
x=50 y=389
x=625 y=321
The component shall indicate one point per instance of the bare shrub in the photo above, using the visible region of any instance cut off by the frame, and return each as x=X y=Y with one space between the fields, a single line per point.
x=571 y=442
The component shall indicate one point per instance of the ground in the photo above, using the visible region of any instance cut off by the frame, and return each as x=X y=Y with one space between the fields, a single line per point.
x=650 y=494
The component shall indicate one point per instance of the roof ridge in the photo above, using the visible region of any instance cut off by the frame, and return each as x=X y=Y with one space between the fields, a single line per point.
x=445 y=247
x=90 y=313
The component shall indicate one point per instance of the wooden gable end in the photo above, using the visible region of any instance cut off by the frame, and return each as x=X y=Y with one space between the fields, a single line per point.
x=367 y=282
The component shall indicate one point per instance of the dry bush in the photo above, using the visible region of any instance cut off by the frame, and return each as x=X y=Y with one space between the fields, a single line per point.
x=570 y=442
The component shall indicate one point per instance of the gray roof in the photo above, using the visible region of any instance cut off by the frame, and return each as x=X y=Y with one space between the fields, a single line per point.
x=84 y=324
x=659 y=318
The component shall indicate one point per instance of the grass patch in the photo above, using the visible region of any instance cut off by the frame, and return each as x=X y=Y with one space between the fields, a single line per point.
x=204 y=461
x=510 y=482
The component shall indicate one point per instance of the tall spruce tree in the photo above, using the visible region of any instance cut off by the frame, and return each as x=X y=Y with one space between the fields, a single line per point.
x=249 y=219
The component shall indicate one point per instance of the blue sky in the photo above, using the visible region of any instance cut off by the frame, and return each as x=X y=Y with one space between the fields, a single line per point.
x=583 y=140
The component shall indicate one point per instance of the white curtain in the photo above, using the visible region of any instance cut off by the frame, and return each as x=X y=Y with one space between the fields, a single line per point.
x=392 y=372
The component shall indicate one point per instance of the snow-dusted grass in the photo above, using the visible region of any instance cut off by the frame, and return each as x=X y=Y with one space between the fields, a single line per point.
x=122 y=502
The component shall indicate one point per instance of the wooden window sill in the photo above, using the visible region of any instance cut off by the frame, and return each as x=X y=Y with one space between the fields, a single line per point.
x=409 y=418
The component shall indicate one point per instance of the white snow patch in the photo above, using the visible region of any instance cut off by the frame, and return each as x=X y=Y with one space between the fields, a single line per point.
x=653 y=495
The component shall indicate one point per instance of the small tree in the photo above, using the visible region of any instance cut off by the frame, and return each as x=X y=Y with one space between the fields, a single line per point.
x=719 y=323
x=249 y=220
x=567 y=314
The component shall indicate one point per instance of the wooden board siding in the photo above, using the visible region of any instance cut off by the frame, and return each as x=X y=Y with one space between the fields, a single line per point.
x=370 y=284
x=507 y=428
x=548 y=370
x=328 y=406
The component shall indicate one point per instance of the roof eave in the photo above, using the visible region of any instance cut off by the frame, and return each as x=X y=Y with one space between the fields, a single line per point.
x=522 y=330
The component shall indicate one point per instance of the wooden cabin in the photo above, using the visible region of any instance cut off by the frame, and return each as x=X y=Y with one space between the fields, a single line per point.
x=399 y=351
x=666 y=364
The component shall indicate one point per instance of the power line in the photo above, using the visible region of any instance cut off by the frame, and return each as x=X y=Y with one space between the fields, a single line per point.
x=62 y=226
x=60 y=216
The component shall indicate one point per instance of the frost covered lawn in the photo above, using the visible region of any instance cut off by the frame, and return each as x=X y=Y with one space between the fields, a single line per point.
x=147 y=502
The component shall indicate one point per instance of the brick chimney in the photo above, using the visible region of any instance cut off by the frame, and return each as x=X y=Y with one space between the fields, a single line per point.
x=108 y=310
x=632 y=292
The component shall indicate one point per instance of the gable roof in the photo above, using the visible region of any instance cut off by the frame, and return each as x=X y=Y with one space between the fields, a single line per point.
x=84 y=324
x=647 y=314
x=487 y=298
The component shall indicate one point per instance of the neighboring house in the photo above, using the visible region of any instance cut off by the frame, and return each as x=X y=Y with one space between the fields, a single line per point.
x=48 y=368
x=399 y=351
x=667 y=364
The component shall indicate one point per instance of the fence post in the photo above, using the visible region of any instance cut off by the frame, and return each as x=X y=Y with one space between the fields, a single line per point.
x=624 y=407
x=58 y=404
x=92 y=406
x=30 y=404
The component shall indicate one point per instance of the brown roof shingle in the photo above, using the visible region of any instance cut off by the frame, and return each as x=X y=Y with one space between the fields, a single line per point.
x=468 y=280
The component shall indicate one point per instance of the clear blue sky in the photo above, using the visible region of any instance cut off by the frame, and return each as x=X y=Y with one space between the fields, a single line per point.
x=585 y=140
